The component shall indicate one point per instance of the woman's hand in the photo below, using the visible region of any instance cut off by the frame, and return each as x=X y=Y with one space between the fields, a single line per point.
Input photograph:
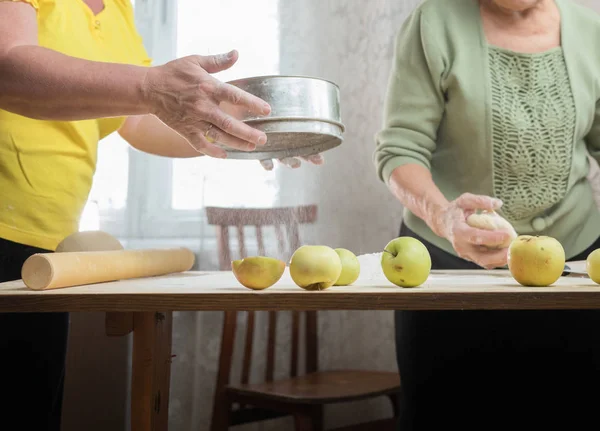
x=475 y=245
x=294 y=162
x=186 y=97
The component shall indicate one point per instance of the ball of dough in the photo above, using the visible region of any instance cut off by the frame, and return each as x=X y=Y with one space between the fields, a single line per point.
x=89 y=241
x=490 y=220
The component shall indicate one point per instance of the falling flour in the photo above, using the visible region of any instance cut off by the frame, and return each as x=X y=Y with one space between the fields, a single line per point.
x=370 y=267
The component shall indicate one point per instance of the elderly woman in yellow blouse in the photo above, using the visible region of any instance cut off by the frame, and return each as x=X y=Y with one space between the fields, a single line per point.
x=494 y=104
x=71 y=73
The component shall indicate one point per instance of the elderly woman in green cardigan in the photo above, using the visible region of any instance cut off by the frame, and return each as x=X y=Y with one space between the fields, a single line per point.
x=494 y=104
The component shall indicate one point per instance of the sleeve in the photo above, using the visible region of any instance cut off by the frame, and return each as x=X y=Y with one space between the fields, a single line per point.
x=34 y=3
x=592 y=139
x=141 y=54
x=414 y=101
x=145 y=59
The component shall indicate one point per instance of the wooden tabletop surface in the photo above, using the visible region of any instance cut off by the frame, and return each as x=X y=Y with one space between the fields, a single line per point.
x=202 y=291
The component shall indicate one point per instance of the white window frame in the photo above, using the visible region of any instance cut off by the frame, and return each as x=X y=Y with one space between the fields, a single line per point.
x=148 y=212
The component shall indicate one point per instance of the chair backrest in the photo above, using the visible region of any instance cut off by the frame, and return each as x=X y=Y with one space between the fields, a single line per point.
x=286 y=220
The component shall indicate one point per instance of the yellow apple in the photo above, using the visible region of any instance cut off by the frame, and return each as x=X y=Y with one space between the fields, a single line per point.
x=350 y=267
x=315 y=267
x=258 y=272
x=536 y=260
x=593 y=265
x=406 y=262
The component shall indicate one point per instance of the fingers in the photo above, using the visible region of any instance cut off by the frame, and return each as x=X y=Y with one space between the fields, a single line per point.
x=236 y=96
x=478 y=237
x=470 y=201
x=203 y=146
x=217 y=63
x=267 y=164
x=494 y=258
x=488 y=259
x=316 y=159
x=231 y=126
x=214 y=134
x=291 y=162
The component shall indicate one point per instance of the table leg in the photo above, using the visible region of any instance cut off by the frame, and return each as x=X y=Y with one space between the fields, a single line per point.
x=151 y=371
x=118 y=324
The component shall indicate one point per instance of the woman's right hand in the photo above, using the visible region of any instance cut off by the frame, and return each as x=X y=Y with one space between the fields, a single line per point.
x=186 y=97
x=475 y=245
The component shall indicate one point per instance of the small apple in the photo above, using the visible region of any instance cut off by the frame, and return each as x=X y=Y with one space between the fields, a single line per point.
x=350 y=267
x=258 y=272
x=406 y=262
x=315 y=267
x=593 y=265
x=536 y=260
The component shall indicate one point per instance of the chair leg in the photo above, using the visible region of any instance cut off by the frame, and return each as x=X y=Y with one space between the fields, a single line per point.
x=309 y=421
x=395 y=400
x=221 y=412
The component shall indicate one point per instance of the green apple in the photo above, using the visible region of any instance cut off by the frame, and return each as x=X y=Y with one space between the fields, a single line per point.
x=350 y=267
x=315 y=267
x=593 y=265
x=258 y=272
x=406 y=262
x=536 y=260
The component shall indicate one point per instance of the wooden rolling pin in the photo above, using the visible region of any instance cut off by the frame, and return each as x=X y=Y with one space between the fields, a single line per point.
x=45 y=271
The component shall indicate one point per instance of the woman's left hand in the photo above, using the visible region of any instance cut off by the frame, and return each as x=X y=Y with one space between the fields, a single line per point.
x=294 y=162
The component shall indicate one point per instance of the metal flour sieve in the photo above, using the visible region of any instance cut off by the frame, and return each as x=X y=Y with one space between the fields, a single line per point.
x=305 y=116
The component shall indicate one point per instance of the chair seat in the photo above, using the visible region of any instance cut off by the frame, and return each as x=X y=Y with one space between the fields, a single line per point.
x=323 y=387
x=380 y=425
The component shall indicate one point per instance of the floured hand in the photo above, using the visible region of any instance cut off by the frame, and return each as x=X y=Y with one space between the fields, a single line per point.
x=185 y=95
x=490 y=220
x=471 y=243
x=294 y=162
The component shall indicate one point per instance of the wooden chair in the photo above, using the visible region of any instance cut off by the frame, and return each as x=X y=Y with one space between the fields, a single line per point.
x=302 y=396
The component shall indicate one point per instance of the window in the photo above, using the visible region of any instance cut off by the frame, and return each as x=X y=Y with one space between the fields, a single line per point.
x=109 y=191
x=136 y=195
x=253 y=31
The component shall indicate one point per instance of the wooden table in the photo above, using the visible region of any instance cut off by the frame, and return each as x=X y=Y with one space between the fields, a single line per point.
x=146 y=307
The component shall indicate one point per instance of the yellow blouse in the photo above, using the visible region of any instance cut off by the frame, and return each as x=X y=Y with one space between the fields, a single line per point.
x=47 y=167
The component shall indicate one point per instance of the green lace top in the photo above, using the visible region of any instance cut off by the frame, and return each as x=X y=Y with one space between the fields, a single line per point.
x=533 y=124
x=493 y=122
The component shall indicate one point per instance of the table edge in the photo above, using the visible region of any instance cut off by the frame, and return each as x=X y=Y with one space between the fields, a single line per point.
x=416 y=300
